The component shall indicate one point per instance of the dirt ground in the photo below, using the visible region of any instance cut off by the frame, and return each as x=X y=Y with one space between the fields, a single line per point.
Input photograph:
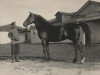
x=62 y=54
x=36 y=67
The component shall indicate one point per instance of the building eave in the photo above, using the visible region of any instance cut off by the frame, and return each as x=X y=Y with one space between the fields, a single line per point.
x=82 y=8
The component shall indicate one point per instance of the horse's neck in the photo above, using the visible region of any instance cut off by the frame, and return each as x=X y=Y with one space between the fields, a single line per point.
x=41 y=23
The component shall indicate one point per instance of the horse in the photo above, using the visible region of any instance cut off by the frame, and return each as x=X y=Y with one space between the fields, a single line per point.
x=50 y=33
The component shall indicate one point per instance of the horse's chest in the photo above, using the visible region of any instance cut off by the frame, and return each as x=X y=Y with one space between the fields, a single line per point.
x=43 y=35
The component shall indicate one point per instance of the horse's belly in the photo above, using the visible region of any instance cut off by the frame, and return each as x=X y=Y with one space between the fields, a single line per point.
x=54 y=35
x=57 y=39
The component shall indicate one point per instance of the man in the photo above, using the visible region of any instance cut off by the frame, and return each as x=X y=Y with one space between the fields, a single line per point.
x=15 y=43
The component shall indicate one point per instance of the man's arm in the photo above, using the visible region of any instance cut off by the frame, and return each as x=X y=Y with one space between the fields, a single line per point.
x=22 y=30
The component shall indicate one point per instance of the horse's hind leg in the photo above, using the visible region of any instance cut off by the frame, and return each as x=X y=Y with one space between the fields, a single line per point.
x=76 y=53
x=82 y=53
x=81 y=48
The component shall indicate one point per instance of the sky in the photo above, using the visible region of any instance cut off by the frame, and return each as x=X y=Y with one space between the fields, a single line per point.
x=18 y=10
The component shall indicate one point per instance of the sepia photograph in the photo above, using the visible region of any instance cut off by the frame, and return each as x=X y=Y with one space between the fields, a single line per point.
x=49 y=37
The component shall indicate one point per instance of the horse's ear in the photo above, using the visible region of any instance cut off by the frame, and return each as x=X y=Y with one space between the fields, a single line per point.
x=30 y=12
x=34 y=15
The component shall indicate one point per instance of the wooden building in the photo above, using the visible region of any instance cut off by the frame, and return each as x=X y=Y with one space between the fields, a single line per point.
x=62 y=17
x=88 y=13
x=31 y=35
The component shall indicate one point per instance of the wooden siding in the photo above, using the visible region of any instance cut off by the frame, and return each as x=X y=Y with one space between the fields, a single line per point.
x=59 y=18
x=34 y=36
x=90 y=8
x=95 y=30
x=65 y=18
x=93 y=16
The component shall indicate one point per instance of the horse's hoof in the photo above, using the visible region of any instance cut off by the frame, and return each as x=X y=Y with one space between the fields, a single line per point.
x=83 y=60
x=47 y=60
x=74 y=61
x=17 y=61
x=12 y=61
x=43 y=61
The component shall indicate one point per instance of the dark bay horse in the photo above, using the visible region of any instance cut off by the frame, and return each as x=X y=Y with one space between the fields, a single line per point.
x=49 y=33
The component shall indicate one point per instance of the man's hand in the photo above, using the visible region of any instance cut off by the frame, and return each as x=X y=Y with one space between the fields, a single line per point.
x=16 y=39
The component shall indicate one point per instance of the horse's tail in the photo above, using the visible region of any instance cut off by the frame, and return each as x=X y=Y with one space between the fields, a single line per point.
x=87 y=32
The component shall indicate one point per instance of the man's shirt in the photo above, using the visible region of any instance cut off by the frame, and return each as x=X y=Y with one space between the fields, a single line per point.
x=14 y=35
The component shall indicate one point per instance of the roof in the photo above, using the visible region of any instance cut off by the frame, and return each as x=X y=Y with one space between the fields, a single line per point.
x=85 y=5
x=57 y=24
x=93 y=15
x=52 y=20
x=6 y=28
x=64 y=13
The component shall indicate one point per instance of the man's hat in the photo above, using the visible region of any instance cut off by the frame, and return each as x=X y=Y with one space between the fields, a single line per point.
x=13 y=23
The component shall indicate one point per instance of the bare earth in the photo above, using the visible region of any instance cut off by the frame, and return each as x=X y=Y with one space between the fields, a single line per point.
x=36 y=67
x=62 y=52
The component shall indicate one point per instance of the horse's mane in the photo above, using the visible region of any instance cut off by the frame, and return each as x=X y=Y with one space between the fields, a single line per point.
x=43 y=19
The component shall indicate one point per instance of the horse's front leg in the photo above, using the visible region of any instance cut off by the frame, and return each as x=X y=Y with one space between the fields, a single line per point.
x=44 y=48
x=76 y=53
x=46 y=54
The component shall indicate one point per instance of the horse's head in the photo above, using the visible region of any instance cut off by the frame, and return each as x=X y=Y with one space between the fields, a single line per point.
x=31 y=18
